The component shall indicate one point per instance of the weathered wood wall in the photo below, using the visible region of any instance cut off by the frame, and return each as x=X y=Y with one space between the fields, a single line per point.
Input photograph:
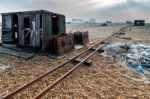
x=21 y=29
x=34 y=17
x=46 y=24
x=62 y=26
x=37 y=27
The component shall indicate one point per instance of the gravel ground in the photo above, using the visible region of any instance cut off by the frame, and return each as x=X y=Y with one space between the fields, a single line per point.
x=104 y=79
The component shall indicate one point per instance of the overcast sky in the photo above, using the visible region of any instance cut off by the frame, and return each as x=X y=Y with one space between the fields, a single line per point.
x=102 y=10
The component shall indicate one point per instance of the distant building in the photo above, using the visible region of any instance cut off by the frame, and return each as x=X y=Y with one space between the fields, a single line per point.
x=68 y=22
x=92 y=21
x=81 y=21
x=78 y=21
x=109 y=22
x=139 y=22
x=129 y=22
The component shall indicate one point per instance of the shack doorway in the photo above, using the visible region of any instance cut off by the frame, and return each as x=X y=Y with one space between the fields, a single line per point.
x=27 y=31
x=55 y=27
x=15 y=34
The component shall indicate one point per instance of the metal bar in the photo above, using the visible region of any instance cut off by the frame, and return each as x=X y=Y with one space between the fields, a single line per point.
x=66 y=74
x=9 y=96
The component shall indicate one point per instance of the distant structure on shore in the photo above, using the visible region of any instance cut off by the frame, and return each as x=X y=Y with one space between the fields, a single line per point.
x=129 y=22
x=92 y=21
x=109 y=22
x=82 y=21
x=139 y=22
x=78 y=21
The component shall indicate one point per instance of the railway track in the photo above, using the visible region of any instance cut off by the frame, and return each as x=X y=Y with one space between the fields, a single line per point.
x=98 y=45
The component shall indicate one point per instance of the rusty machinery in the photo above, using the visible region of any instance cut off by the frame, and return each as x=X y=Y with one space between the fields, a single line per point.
x=62 y=43
x=58 y=44
x=81 y=37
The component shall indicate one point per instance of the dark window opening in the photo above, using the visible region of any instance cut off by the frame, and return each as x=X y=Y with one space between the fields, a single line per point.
x=55 y=24
x=27 y=31
x=41 y=22
x=26 y=22
x=15 y=29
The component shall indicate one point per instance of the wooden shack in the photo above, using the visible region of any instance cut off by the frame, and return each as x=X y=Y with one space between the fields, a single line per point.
x=139 y=22
x=30 y=28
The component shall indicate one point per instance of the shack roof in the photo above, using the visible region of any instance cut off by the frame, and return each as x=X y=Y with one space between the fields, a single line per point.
x=139 y=20
x=35 y=11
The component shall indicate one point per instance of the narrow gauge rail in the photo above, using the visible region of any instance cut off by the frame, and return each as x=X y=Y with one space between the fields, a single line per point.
x=100 y=43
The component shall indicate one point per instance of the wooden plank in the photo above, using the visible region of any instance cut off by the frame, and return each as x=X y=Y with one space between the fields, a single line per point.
x=62 y=26
x=50 y=24
x=100 y=50
x=87 y=63
x=20 y=54
x=46 y=24
x=21 y=29
x=37 y=22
